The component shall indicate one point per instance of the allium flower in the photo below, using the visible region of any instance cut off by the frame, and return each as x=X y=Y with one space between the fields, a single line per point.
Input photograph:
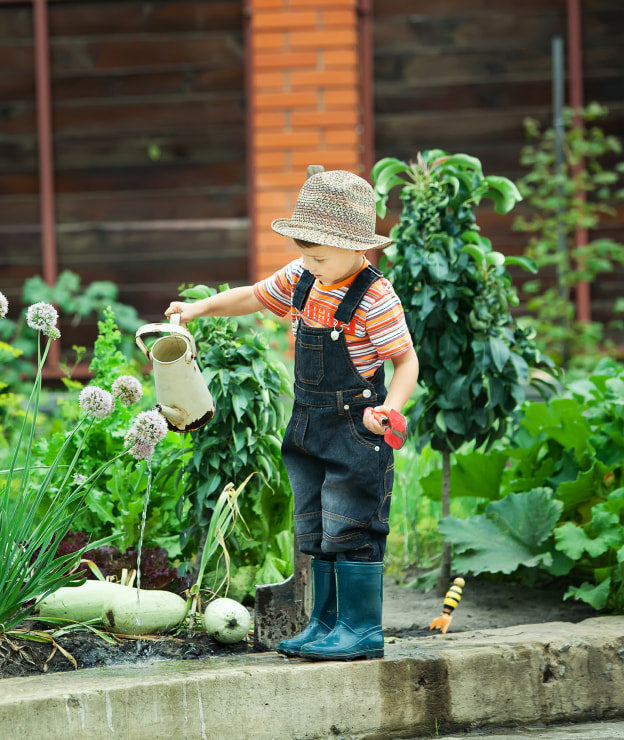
x=53 y=333
x=127 y=389
x=43 y=317
x=142 y=450
x=96 y=402
x=148 y=429
x=4 y=305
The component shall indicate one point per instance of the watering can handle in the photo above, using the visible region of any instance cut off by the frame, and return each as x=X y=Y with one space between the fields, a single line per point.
x=173 y=327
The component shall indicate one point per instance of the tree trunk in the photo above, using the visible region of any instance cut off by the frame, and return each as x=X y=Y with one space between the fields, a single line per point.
x=444 y=576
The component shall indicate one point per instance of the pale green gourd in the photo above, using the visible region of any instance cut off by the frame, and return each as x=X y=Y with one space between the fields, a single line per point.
x=152 y=612
x=227 y=621
x=80 y=603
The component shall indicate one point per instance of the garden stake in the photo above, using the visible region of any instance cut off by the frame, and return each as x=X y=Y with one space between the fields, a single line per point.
x=451 y=600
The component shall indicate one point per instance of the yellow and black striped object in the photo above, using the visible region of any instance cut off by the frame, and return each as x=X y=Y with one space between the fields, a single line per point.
x=454 y=594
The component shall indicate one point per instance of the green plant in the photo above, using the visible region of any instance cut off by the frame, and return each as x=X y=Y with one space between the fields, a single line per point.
x=567 y=192
x=456 y=293
x=114 y=505
x=414 y=541
x=29 y=565
x=556 y=494
x=10 y=411
x=249 y=386
x=70 y=298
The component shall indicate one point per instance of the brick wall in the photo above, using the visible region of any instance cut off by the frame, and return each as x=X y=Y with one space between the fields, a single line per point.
x=304 y=108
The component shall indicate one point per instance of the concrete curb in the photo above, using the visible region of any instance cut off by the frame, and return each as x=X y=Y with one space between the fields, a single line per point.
x=555 y=672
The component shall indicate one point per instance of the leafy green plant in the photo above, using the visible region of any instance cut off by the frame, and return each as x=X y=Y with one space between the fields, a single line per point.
x=456 y=293
x=414 y=542
x=557 y=495
x=249 y=385
x=81 y=302
x=114 y=505
x=567 y=192
x=70 y=297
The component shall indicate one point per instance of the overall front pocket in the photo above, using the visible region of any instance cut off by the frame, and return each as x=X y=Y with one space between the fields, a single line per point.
x=309 y=359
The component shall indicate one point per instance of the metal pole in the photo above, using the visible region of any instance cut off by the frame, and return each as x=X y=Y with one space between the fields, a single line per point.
x=575 y=71
x=46 y=159
x=557 y=104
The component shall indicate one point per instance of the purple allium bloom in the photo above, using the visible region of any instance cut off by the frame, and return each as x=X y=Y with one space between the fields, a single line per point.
x=127 y=389
x=96 y=402
x=148 y=429
x=4 y=305
x=43 y=317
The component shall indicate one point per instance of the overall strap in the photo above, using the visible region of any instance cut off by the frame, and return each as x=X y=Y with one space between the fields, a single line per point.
x=357 y=290
x=302 y=290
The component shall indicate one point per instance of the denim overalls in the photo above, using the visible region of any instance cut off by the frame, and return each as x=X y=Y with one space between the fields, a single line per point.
x=341 y=474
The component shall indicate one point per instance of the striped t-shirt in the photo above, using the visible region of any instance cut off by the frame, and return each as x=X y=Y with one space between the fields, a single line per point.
x=377 y=332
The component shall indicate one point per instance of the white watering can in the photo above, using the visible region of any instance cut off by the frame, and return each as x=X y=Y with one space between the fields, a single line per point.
x=182 y=395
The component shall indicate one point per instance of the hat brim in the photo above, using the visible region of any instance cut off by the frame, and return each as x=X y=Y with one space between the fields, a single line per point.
x=311 y=233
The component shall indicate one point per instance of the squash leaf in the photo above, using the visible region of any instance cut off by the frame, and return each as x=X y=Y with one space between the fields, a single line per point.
x=512 y=532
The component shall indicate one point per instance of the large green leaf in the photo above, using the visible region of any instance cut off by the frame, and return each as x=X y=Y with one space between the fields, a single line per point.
x=513 y=532
x=471 y=475
x=563 y=420
x=595 y=538
x=595 y=596
x=573 y=493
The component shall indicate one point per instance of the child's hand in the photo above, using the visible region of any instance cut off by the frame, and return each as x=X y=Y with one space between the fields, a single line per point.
x=184 y=309
x=373 y=424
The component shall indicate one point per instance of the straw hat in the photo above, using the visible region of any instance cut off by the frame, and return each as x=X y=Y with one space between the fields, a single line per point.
x=334 y=208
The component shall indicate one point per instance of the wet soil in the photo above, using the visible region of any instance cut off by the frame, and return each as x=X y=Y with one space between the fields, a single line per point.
x=406 y=612
x=484 y=604
x=23 y=656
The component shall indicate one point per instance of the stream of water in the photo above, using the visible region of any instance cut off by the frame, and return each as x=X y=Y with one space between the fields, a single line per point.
x=148 y=490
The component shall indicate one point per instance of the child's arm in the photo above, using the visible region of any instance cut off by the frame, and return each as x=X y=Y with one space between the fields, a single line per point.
x=233 y=302
x=399 y=391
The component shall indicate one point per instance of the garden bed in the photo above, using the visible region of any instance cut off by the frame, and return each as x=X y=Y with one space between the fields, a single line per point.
x=22 y=656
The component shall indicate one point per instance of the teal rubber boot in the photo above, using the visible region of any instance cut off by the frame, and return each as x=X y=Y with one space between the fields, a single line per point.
x=358 y=632
x=323 y=617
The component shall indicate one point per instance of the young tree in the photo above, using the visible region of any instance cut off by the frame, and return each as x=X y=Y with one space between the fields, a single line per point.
x=457 y=294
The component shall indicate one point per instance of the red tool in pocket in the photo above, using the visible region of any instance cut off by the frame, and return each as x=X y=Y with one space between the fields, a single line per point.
x=396 y=432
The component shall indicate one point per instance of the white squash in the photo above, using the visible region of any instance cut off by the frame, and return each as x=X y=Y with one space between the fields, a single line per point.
x=226 y=620
x=80 y=603
x=152 y=612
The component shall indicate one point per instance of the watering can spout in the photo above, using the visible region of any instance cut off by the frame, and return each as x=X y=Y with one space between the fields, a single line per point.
x=181 y=392
x=173 y=415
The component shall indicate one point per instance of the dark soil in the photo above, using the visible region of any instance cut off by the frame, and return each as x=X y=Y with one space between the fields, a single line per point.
x=21 y=656
x=406 y=612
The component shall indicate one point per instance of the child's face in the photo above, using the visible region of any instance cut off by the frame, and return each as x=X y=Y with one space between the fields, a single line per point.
x=330 y=265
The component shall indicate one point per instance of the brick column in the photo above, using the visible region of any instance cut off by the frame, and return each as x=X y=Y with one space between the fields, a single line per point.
x=304 y=107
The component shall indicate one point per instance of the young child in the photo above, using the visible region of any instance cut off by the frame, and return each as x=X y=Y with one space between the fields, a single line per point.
x=347 y=320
